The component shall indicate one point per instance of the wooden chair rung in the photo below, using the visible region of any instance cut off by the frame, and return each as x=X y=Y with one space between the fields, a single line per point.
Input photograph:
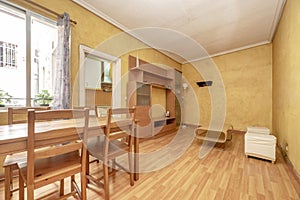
x=95 y=181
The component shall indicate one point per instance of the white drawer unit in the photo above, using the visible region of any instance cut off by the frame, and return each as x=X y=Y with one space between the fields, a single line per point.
x=261 y=146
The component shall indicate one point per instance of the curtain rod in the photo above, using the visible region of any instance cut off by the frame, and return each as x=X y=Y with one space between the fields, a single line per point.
x=48 y=10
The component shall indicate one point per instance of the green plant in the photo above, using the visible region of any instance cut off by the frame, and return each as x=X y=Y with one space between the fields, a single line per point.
x=4 y=97
x=43 y=98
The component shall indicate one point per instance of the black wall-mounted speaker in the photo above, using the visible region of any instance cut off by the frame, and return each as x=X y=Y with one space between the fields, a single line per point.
x=204 y=83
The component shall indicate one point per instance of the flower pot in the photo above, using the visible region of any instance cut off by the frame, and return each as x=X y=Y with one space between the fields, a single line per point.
x=45 y=104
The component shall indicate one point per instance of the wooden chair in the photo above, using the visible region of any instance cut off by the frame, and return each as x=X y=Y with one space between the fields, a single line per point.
x=120 y=124
x=54 y=152
x=19 y=114
x=15 y=115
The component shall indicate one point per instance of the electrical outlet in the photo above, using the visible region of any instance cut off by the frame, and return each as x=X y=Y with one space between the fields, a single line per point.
x=286 y=147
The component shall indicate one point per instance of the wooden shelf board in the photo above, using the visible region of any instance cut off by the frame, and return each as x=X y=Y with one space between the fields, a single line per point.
x=162 y=118
x=158 y=75
x=151 y=73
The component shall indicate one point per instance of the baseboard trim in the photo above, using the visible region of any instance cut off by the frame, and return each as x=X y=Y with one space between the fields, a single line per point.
x=237 y=131
x=289 y=164
x=191 y=125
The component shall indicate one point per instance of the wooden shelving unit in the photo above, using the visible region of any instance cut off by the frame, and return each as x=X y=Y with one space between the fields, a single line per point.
x=143 y=97
x=163 y=124
x=148 y=86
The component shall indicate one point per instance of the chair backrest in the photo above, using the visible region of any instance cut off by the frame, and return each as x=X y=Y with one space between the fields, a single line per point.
x=93 y=111
x=120 y=123
x=19 y=114
x=101 y=111
x=57 y=134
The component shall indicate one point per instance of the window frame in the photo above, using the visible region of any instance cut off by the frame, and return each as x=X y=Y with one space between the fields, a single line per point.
x=29 y=16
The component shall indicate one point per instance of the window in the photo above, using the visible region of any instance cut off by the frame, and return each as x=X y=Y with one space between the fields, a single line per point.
x=27 y=62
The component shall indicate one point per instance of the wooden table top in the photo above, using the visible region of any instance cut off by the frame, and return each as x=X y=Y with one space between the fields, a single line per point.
x=13 y=138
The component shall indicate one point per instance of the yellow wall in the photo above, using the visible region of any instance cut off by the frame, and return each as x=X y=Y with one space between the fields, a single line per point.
x=195 y=98
x=286 y=81
x=247 y=77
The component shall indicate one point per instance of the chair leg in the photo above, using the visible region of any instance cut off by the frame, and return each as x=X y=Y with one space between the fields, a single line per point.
x=83 y=186
x=30 y=192
x=106 y=180
x=21 y=187
x=72 y=180
x=113 y=165
x=62 y=187
x=130 y=168
x=87 y=164
x=11 y=172
x=8 y=182
x=130 y=160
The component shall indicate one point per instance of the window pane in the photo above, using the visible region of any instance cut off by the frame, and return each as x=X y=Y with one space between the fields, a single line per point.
x=13 y=54
x=43 y=47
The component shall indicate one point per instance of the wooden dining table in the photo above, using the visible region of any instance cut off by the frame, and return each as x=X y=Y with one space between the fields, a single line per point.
x=13 y=138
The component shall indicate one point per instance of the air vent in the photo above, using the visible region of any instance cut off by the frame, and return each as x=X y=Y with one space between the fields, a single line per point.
x=204 y=83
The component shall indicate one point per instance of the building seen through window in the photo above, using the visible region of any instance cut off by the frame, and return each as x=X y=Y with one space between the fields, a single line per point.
x=8 y=54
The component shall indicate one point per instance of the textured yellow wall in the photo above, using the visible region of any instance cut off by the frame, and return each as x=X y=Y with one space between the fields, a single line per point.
x=286 y=81
x=196 y=100
x=247 y=77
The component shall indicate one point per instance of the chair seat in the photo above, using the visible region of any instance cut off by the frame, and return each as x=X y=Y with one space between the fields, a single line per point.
x=54 y=168
x=15 y=158
x=116 y=148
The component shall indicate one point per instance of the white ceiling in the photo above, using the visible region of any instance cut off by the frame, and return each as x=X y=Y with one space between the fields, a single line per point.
x=189 y=30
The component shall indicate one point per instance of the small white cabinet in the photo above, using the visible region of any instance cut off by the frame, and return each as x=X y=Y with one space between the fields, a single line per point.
x=260 y=145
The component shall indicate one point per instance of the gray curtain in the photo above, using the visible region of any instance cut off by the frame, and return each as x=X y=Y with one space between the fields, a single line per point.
x=62 y=73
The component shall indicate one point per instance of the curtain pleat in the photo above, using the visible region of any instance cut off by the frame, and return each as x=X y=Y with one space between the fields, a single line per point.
x=62 y=94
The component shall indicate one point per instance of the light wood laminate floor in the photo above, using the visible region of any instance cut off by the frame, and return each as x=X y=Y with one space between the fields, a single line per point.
x=223 y=174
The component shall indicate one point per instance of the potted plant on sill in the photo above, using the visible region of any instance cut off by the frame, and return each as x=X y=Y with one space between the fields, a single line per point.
x=43 y=98
x=4 y=97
